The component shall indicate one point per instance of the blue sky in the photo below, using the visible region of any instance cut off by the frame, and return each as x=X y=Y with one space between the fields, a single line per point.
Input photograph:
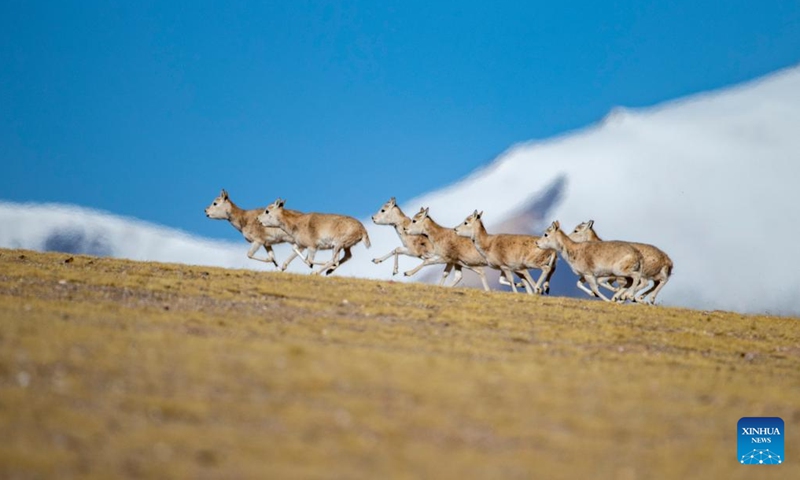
x=147 y=109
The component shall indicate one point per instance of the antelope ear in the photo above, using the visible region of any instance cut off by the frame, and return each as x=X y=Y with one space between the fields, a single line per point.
x=224 y=194
x=590 y=223
x=475 y=213
x=556 y=225
x=426 y=211
x=479 y=215
x=393 y=201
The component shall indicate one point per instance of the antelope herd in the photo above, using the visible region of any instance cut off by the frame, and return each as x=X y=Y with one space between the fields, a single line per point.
x=624 y=268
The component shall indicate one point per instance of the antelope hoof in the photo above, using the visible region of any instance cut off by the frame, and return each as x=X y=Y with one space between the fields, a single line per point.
x=375 y=261
x=406 y=274
x=329 y=271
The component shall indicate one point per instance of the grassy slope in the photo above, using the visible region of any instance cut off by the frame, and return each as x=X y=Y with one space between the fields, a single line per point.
x=131 y=369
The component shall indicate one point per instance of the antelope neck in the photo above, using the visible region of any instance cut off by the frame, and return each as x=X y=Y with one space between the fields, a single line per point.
x=481 y=239
x=565 y=244
x=434 y=230
x=403 y=223
x=237 y=217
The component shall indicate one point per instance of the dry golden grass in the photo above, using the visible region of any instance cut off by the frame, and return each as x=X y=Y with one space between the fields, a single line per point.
x=113 y=368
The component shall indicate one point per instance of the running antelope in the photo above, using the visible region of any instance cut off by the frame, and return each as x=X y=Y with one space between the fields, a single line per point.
x=413 y=245
x=656 y=265
x=511 y=253
x=455 y=251
x=593 y=260
x=317 y=231
x=223 y=208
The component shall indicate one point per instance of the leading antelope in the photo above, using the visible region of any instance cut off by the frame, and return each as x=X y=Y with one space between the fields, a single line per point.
x=317 y=231
x=593 y=260
x=223 y=208
x=656 y=265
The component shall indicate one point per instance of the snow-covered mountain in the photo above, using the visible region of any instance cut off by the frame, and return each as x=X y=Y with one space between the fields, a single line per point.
x=711 y=179
x=66 y=228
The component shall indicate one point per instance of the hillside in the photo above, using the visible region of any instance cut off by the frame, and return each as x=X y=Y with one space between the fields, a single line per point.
x=113 y=368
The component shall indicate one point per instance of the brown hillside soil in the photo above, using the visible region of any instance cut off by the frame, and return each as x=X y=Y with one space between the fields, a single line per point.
x=112 y=368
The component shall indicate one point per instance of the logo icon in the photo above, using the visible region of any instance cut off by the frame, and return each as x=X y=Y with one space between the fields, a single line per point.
x=760 y=441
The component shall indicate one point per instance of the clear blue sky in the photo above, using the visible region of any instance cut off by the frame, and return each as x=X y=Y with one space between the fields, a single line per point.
x=149 y=108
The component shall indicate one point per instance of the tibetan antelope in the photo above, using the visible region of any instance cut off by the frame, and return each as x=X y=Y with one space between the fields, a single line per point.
x=511 y=253
x=223 y=208
x=317 y=231
x=656 y=265
x=413 y=245
x=593 y=260
x=456 y=252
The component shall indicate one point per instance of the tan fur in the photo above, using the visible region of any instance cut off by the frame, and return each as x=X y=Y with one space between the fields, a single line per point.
x=593 y=260
x=510 y=253
x=246 y=222
x=317 y=231
x=656 y=265
x=455 y=251
x=413 y=245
